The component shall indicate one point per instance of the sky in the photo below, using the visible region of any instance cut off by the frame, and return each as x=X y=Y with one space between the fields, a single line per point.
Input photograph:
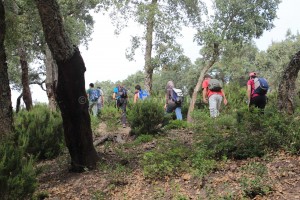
x=105 y=56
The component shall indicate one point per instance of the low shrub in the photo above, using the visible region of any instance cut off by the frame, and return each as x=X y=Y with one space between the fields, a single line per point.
x=17 y=174
x=249 y=134
x=44 y=130
x=145 y=117
x=166 y=160
x=176 y=124
x=111 y=116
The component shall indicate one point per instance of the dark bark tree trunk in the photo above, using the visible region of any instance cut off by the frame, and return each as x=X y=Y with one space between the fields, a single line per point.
x=51 y=78
x=286 y=89
x=5 y=94
x=18 y=102
x=25 y=79
x=148 y=54
x=200 y=80
x=70 y=93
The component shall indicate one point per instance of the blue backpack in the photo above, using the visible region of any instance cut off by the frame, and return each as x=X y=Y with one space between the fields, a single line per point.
x=143 y=94
x=94 y=94
x=261 y=86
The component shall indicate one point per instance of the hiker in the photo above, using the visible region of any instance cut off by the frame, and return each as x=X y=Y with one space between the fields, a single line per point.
x=213 y=94
x=120 y=95
x=171 y=103
x=100 y=101
x=139 y=94
x=256 y=98
x=93 y=96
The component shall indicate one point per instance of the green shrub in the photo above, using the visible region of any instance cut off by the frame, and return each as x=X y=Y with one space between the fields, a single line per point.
x=166 y=160
x=44 y=130
x=145 y=117
x=176 y=124
x=111 y=116
x=255 y=180
x=17 y=174
x=201 y=163
x=248 y=134
x=94 y=123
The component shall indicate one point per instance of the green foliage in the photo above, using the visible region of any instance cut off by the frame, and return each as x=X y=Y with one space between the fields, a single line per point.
x=255 y=180
x=176 y=124
x=145 y=116
x=43 y=129
x=17 y=173
x=201 y=164
x=94 y=123
x=168 y=159
x=243 y=134
x=111 y=116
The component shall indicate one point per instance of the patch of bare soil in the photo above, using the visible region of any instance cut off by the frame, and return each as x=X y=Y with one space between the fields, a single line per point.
x=119 y=175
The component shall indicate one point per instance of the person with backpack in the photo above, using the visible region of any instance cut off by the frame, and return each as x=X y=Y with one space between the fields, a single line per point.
x=257 y=89
x=93 y=96
x=174 y=100
x=139 y=94
x=120 y=95
x=213 y=94
x=100 y=101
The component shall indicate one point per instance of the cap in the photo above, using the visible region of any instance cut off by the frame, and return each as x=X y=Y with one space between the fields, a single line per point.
x=252 y=74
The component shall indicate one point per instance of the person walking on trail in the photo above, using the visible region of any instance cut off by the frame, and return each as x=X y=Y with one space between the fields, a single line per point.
x=257 y=89
x=100 y=101
x=120 y=95
x=213 y=94
x=93 y=96
x=139 y=94
x=173 y=102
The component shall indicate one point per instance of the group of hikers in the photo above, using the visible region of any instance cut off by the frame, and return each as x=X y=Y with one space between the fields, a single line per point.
x=212 y=93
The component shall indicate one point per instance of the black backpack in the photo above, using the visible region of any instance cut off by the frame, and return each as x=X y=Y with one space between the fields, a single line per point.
x=122 y=92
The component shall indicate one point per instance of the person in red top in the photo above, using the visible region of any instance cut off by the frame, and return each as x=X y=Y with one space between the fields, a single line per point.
x=254 y=99
x=214 y=98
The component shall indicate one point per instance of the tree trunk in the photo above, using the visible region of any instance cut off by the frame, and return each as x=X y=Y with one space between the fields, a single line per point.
x=286 y=89
x=18 y=102
x=70 y=93
x=5 y=94
x=51 y=78
x=25 y=79
x=200 y=80
x=149 y=40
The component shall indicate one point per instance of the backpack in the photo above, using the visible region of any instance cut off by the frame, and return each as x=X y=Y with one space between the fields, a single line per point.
x=214 y=85
x=122 y=92
x=143 y=94
x=177 y=95
x=94 y=94
x=261 y=86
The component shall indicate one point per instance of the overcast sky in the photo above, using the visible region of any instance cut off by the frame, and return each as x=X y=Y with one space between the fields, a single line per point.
x=105 y=56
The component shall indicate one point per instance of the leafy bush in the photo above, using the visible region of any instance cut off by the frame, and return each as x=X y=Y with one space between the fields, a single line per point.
x=255 y=180
x=166 y=160
x=17 y=174
x=176 y=124
x=201 y=164
x=94 y=123
x=249 y=134
x=111 y=116
x=145 y=117
x=44 y=130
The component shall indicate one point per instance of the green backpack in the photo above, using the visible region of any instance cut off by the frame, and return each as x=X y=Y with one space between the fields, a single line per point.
x=214 y=85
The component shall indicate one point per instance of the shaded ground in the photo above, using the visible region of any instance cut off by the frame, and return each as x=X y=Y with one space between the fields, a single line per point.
x=119 y=175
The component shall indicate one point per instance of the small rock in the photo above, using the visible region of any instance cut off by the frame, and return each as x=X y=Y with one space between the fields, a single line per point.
x=186 y=177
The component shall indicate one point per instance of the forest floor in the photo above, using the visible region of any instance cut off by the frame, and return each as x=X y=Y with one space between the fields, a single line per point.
x=120 y=176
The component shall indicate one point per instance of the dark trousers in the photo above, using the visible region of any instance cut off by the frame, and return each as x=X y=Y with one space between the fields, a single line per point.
x=259 y=102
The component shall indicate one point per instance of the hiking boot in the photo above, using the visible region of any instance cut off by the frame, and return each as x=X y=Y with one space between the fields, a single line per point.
x=124 y=125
